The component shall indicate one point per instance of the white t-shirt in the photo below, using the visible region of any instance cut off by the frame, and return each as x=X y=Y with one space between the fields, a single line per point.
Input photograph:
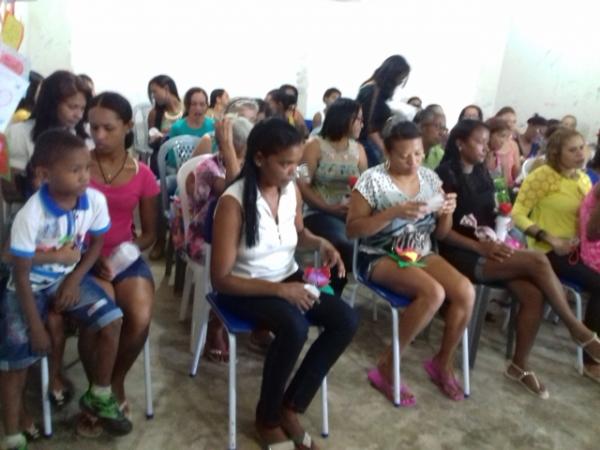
x=272 y=258
x=20 y=144
x=42 y=225
x=380 y=191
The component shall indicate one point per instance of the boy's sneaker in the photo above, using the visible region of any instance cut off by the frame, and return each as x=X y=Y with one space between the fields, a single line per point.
x=107 y=410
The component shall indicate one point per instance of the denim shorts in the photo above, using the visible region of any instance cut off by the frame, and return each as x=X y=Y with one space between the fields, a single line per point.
x=94 y=311
x=139 y=268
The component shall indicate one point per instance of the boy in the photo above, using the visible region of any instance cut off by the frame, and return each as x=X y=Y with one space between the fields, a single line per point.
x=59 y=215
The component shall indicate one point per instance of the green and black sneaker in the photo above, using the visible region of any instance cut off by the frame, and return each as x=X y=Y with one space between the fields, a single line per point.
x=108 y=412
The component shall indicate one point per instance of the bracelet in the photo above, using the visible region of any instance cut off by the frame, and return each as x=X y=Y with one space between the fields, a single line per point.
x=540 y=235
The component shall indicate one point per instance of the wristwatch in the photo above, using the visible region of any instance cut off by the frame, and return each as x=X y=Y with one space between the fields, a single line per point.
x=540 y=235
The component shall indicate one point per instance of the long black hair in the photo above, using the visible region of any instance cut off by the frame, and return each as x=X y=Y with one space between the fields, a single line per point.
x=268 y=137
x=187 y=99
x=162 y=81
x=339 y=118
x=120 y=106
x=463 y=131
x=54 y=90
x=391 y=73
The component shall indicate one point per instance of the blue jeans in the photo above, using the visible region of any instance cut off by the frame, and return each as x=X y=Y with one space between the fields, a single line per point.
x=290 y=326
x=333 y=229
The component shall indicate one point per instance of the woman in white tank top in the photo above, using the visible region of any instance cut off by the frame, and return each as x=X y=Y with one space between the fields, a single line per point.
x=257 y=226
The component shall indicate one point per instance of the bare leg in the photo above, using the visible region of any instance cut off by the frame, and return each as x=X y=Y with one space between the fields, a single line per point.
x=427 y=297
x=461 y=298
x=135 y=297
x=529 y=317
x=12 y=386
x=56 y=328
x=535 y=267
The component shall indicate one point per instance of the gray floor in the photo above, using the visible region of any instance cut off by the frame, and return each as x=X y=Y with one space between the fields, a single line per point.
x=192 y=413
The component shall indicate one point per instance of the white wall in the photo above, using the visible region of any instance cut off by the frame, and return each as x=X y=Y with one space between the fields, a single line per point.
x=461 y=52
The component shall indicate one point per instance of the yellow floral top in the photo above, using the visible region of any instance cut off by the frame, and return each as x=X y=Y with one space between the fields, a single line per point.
x=550 y=201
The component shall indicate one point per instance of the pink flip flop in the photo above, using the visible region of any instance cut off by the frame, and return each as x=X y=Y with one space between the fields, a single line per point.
x=447 y=384
x=379 y=382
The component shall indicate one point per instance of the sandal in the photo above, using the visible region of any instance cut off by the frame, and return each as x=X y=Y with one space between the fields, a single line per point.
x=88 y=426
x=63 y=396
x=32 y=433
x=217 y=355
x=585 y=344
x=125 y=409
x=448 y=384
x=539 y=391
x=281 y=445
x=379 y=382
x=303 y=442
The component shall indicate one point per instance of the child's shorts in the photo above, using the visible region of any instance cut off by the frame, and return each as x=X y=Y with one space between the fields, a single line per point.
x=95 y=310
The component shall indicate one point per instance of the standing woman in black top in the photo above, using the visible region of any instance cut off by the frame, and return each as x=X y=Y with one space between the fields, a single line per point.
x=373 y=96
x=526 y=273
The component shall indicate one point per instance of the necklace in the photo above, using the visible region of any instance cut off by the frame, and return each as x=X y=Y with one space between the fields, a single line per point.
x=109 y=177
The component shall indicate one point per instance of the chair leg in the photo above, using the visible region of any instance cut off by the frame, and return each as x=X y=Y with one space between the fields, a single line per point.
x=187 y=288
x=579 y=315
x=396 y=353
x=148 y=380
x=353 y=296
x=476 y=324
x=465 y=363
x=169 y=256
x=180 y=270
x=325 y=408
x=200 y=333
x=374 y=299
x=45 y=397
x=232 y=391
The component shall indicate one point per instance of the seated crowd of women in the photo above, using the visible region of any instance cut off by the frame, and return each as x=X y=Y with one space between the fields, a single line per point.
x=422 y=202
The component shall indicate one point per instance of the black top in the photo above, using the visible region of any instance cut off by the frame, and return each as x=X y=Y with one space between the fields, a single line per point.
x=381 y=111
x=474 y=195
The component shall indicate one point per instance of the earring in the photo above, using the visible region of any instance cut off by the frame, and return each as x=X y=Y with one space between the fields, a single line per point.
x=386 y=164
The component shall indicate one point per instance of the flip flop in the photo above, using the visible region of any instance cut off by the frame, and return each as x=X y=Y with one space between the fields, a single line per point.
x=378 y=381
x=541 y=393
x=303 y=442
x=449 y=385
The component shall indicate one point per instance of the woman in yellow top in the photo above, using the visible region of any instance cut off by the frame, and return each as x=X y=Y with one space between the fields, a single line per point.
x=547 y=210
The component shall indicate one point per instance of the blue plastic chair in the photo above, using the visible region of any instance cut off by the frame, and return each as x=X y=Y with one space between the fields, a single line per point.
x=235 y=326
x=396 y=302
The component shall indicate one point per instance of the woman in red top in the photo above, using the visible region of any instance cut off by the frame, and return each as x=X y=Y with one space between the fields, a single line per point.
x=127 y=185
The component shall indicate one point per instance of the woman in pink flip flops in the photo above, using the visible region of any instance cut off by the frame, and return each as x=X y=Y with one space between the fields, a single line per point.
x=395 y=210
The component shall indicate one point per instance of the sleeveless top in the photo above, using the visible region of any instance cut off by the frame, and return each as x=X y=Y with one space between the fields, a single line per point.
x=331 y=178
x=272 y=257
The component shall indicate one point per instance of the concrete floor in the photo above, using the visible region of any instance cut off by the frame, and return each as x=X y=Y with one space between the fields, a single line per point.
x=192 y=413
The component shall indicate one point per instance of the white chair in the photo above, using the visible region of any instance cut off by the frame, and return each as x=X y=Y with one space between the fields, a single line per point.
x=194 y=272
x=396 y=302
x=140 y=130
x=47 y=411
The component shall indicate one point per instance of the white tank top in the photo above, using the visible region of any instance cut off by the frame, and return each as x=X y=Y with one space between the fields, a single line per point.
x=272 y=258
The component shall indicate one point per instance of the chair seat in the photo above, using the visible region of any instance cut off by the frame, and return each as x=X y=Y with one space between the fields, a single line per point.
x=232 y=322
x=395 y=300
x=571 y=285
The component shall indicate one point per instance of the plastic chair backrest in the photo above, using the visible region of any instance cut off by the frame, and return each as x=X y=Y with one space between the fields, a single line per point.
x=182 y=147
x=140 y=127
x=185 y=170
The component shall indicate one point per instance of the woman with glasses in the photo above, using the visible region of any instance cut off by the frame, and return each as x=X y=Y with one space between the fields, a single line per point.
x=334 y=159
